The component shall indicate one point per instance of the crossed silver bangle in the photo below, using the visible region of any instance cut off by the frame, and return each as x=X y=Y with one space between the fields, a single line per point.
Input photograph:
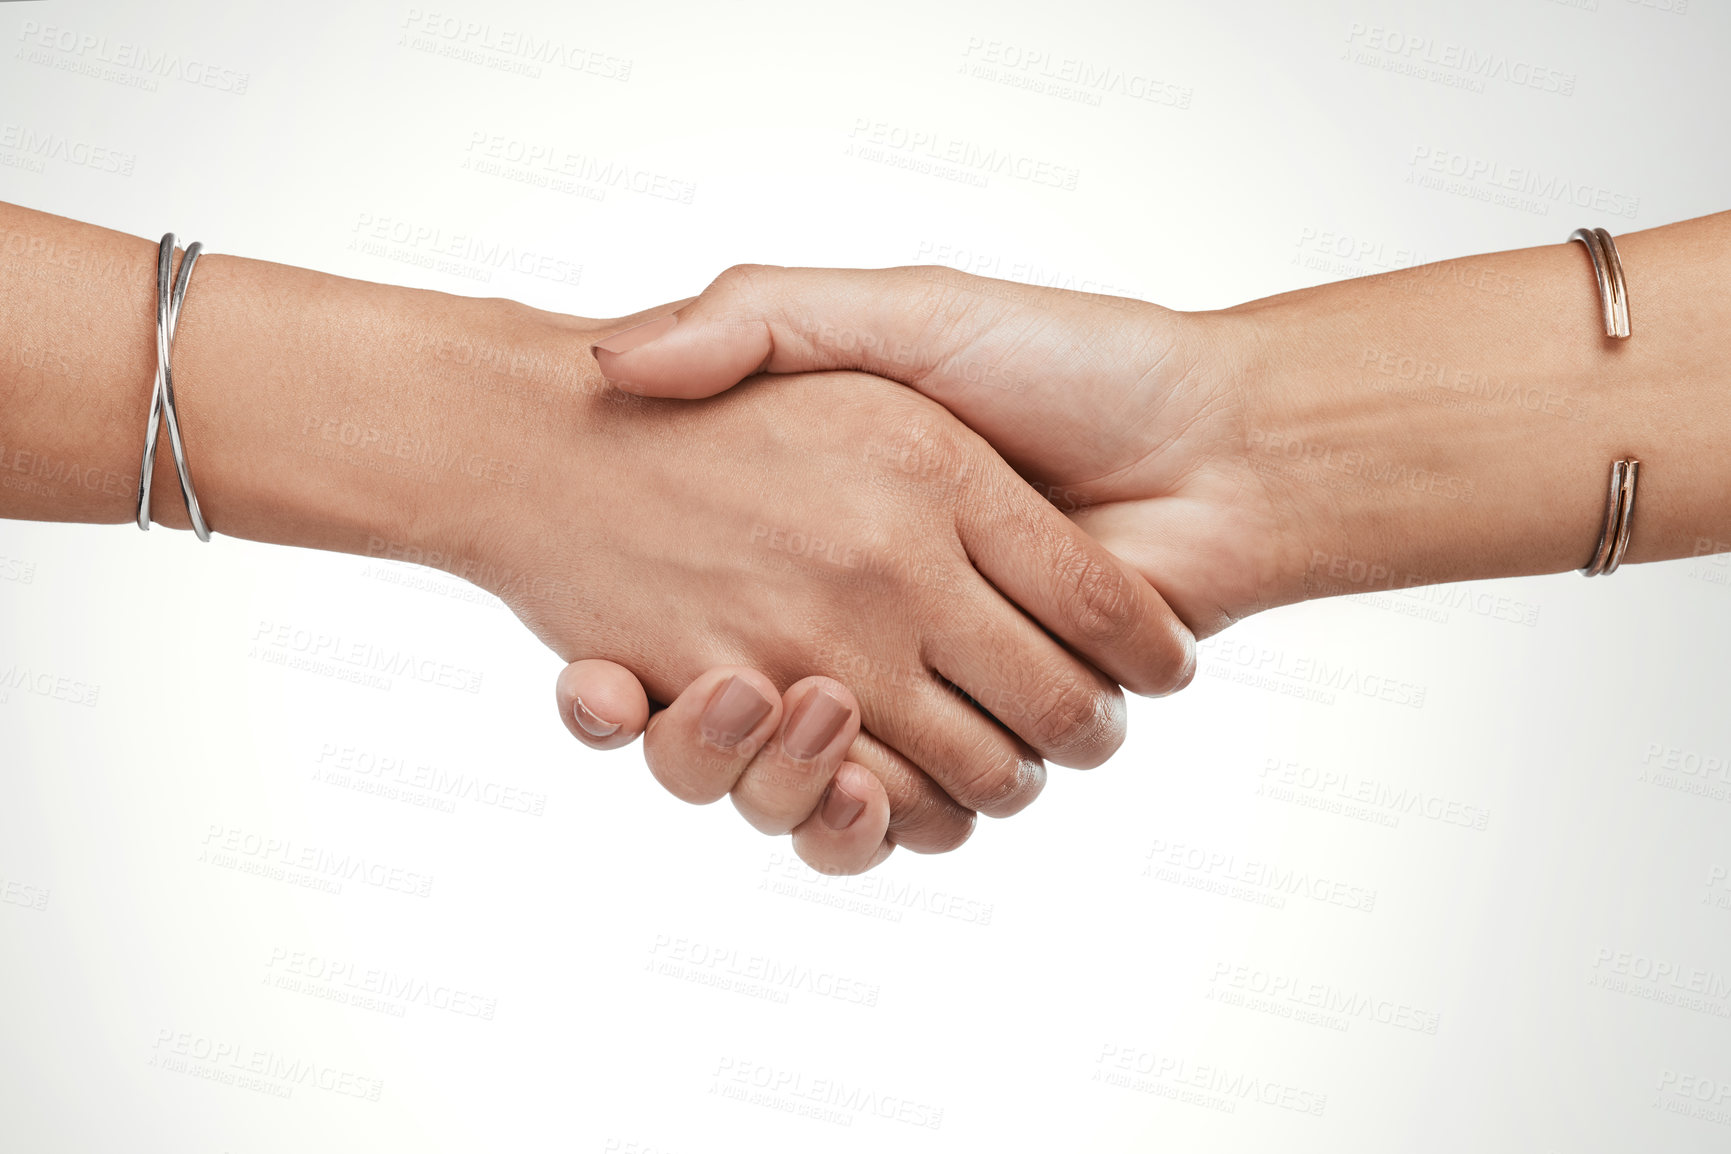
x=168 y=301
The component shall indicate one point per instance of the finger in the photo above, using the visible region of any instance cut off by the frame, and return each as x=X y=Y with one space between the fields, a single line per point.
x=1062 y=708
x=923 y=817
x=759 y=318
x=698 y=746
x=787 y=779
x=1074 y=587
x=977 y=763
x=602 y=704
x=846 y=834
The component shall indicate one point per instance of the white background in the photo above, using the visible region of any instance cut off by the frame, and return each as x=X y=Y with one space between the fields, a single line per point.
x=613 y=970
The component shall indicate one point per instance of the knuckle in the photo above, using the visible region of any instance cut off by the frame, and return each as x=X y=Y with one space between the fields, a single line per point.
x=767 y=816
x=931 y=826
x=1030 y=781
x=1180 y=670
x=923 y=450
x=784 y=791
x=1098 y=600
x=690 y=780
x=928 y=437
x=1069 y=717
x=995 y=782
x=740 y=280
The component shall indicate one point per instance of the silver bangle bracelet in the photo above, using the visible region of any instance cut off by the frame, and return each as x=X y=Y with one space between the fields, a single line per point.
x=168 y=301
x=1608 y=268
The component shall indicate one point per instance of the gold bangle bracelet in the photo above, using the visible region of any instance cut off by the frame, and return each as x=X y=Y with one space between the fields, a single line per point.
x=1620 y=494
x=1608 y=268
x=1619 y=516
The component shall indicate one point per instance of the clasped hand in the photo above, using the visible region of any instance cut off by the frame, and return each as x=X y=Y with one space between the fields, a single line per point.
x=948 y=598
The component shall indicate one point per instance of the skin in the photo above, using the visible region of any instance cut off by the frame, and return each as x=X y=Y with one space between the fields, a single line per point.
x=668 y=538
x=1449 y=422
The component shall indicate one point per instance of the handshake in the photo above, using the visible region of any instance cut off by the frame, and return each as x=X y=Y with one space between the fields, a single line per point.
x=886 y=542
x=889 y=541
x=907 y=611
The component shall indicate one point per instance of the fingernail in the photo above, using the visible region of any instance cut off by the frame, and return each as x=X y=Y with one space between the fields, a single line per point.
x=590 y=724
x=733 y=711
x=814 y=725
x=840 y=808
x=636 y=336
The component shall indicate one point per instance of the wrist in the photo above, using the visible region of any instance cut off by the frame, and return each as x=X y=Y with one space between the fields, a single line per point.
x=1443 y=423
x=338 y=414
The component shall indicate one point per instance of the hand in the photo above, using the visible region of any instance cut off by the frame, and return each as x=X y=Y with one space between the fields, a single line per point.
x=1103 y=403
x=775 y=528
x=841 y=828
x=1133 y=419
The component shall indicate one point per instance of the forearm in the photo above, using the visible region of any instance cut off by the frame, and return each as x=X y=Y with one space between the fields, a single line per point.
x=316 y=410
x=1458 y=420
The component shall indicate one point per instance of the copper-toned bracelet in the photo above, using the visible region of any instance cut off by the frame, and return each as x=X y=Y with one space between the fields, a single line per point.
x=1620 y=498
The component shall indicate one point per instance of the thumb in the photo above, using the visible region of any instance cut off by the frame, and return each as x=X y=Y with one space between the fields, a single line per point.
x=601 y=703
x=761 y=318
x=685 y=354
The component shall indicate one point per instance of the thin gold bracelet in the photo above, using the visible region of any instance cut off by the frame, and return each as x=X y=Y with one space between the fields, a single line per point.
x=1619 y=515
x=1620 y=495
x=1608 y=268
